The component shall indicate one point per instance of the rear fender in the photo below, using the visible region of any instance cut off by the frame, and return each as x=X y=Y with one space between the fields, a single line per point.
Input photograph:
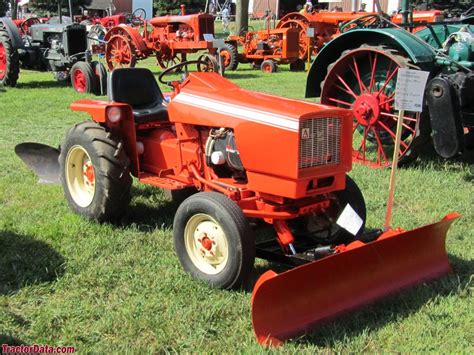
x=125 y=127
x=13 y=32
x=135 y=36
x=419 y=52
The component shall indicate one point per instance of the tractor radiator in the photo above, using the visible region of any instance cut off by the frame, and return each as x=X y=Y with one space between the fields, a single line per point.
x=320 y=142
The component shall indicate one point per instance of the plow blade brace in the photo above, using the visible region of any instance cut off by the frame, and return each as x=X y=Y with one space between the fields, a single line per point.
x=286 y=305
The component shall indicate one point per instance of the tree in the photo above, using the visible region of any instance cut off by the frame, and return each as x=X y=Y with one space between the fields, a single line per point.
x=163 y=7
x=3 y=7
x=242 y=15
x=41 y=7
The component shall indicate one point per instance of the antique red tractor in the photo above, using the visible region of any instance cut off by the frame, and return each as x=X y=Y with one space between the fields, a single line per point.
x=326 y=25
x=168 y=38
x=259 y=161
x=264 y=49
x=358 y=71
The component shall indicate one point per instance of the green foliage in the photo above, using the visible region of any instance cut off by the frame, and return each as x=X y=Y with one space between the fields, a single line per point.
x=3 y=7
x=41 y=7
x=163 y=7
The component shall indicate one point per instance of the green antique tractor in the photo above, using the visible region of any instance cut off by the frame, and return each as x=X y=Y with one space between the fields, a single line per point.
x=358 y=70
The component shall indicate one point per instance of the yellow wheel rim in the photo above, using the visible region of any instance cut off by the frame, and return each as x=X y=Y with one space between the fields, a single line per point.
x=206 y=244
x=80 y=176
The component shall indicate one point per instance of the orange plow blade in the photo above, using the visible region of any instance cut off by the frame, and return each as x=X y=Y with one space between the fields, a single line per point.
x=287 y=304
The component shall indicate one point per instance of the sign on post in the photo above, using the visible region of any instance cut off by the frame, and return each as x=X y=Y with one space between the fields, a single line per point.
x=409 y=92
x=410 y=89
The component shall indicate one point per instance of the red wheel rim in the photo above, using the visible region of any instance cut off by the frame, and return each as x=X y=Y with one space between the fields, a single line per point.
x=3 y=61
x=79 y=80
x=364 y=81
x=267 y=68
x=226 y=56
x=301 y=27
x=119 y=53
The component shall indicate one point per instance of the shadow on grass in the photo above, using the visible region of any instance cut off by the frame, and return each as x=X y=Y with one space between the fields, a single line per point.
x=230 y=75
x=9 y=340
x=44 y=84
x=390 y=309
x=25 y=261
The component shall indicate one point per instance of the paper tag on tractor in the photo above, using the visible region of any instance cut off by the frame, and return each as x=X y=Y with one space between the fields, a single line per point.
x=350 y=220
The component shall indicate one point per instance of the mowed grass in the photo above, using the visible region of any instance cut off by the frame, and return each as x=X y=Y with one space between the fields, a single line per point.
x=115 y=288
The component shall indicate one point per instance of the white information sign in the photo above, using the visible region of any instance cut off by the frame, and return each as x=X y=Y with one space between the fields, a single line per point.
x=350 y=220
x=410 y=89
x=208 y=37
x=218 y=43
x=310 y=32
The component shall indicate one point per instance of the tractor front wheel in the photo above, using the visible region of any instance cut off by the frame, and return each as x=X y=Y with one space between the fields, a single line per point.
x=100 y=74
x=9 y=61
x=268 y=66
x=213 y=240
x=364 y=80
x=95 y=172
x=83 y=78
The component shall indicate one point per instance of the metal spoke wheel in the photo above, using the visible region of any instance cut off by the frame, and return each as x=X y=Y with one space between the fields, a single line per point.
x=119 y=52
x=208 y=63
x=364 y=81
x=167 y=58
x=213 y=240
x=301 y=26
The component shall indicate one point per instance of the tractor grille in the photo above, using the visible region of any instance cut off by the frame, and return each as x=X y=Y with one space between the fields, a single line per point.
x=320 y=141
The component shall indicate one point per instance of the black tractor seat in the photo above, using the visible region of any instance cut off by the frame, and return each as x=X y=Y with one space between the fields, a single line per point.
x=138 y=88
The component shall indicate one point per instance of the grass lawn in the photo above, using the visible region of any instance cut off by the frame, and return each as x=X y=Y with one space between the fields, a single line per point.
x=108 y=288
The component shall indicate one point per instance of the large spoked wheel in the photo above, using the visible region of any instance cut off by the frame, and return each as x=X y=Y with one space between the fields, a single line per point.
x=208 y=63
x=301 y=26
x=95 y=172
x=230 y=56
x=364 y=80
x=119 y=52
x=323 y=227
x=9 y=61
x=213 y=240
x=83 y=78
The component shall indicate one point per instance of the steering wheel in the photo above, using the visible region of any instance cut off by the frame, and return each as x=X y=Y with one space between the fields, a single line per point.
x=26 y=24
x=138 y=16
x=363 y=21
x=244 y=30
x=202 y=65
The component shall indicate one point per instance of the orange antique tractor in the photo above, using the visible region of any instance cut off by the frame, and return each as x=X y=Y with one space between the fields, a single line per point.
x=259 y=161
x=166 y=37
x=264 y=49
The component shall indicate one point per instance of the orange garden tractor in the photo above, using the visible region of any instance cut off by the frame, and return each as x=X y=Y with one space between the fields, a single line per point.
x=264 y=49
x=248 y=161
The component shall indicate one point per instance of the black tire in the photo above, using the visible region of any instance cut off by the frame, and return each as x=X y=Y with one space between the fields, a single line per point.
x=233 y=56
x=223 y=213
x=111 y=174
x=100 y=78
x=11 y=61
x=297 y=65
x=83 y=78
x=323 y=228
x=268 y=66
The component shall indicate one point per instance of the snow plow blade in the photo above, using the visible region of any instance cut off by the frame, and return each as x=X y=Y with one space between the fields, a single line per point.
x=286 y=305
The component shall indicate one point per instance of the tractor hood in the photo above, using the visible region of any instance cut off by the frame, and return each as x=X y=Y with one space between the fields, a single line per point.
x=284 y=144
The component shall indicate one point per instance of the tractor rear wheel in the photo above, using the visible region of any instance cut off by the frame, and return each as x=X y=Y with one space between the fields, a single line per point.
x=323 y=227
x=230 y=55
x=297 y=65
x=95 y=172
x=83 y=78
x=364 y=80
x=100 y=78
x=120 y=52
x=213 y=240
x=9 y=61
x=268 y=66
